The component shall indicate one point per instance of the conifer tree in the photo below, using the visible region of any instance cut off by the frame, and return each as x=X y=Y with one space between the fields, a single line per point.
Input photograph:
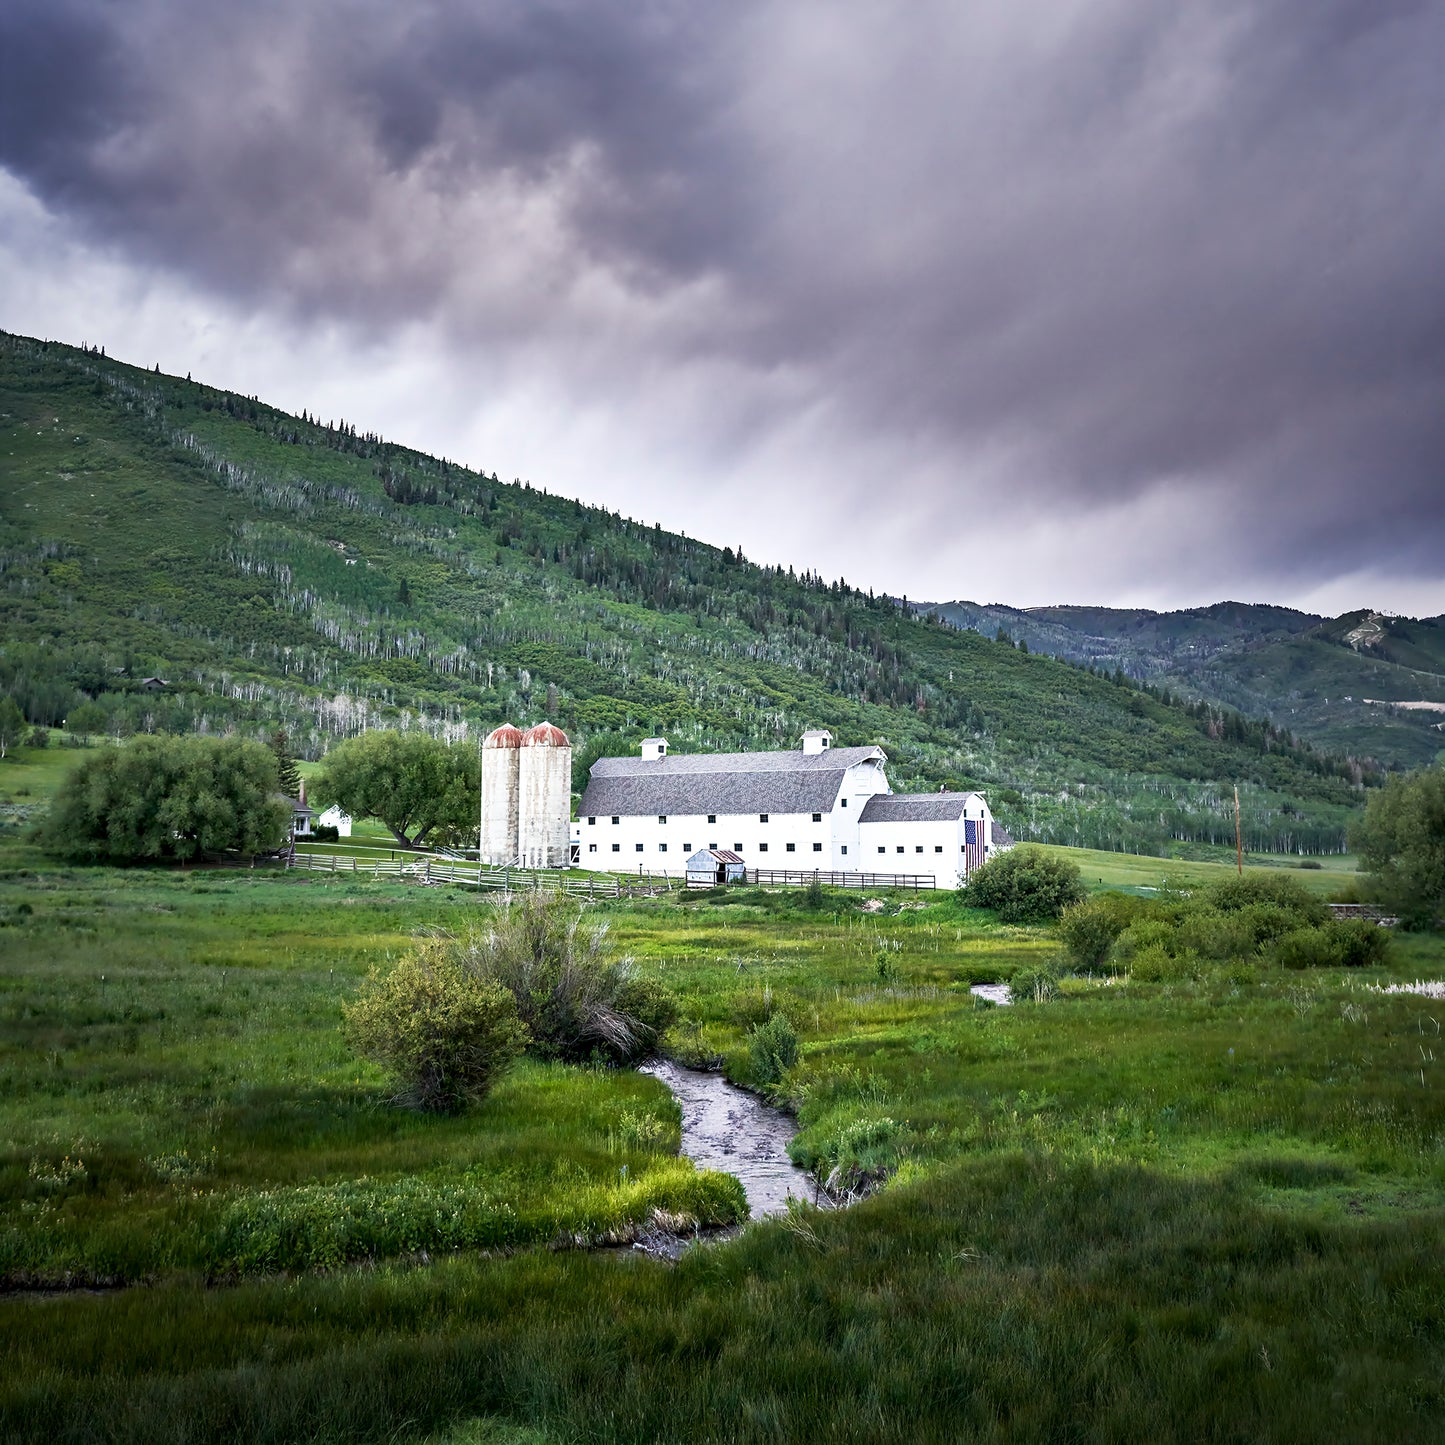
x=286 y=769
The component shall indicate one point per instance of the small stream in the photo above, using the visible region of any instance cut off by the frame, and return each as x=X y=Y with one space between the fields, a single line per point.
x=727 y=1128
x=996 y=993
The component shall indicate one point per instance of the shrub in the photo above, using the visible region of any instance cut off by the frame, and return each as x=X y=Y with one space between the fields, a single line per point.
x=577 y=997
x=1309 y=948
x=1276 y=889
x=1156 y=964
x=1216 y=935
x=39 y=737
x=1266 y=922
x=1143 y=936
x=325 y=832
x=444 y=1034
x=773 y=1047
x=1362 y=944
x=813 y=896
x=851 y=1151
x=1024 y=885
x=1034 y=985
x=1088 y=930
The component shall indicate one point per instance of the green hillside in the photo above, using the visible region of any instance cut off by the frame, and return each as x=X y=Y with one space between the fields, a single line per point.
x=273 y=569
x=1337 y=682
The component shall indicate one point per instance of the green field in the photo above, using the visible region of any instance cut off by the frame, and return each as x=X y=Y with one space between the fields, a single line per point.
x=1177 y=1211
x=1132 y=872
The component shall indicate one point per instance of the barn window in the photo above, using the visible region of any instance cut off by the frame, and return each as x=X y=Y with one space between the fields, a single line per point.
x=617 y=847
x=938 y=847
x=817 y=817
x=687 y=847
x=712 y=817
x=662 y=817
x=844 y=802
x=592 y=847
x=662 y=847
x=762 y=847
x=615 y=818
x=900 y=847
x=737 y=847
x=882 y=850
x=843 y=849
x=639 y=847
x=792 y=847
x=592 y=822
x=818 y=848
x=919 y=848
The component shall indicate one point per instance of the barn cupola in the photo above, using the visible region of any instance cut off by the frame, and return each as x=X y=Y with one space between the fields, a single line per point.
x=653 y=749
x=815 y=741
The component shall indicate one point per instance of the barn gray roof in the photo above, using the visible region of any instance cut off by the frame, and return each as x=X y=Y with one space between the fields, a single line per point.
x=791 y=782
x=915 y=808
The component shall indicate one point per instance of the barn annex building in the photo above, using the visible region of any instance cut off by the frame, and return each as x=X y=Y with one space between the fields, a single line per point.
x=814 y=807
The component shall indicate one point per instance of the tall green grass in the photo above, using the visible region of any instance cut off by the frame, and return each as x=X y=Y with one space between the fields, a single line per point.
x=1204 y=1209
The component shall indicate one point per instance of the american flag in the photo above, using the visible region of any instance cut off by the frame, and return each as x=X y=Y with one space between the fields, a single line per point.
x=973 y=845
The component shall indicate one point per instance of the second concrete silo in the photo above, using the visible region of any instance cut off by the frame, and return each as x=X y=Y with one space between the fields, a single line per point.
x=544 y=787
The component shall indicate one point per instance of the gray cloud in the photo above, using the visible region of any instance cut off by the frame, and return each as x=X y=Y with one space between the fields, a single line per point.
x=1040 y=264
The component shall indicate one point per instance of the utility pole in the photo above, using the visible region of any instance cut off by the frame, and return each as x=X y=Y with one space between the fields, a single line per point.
x=1238 y=836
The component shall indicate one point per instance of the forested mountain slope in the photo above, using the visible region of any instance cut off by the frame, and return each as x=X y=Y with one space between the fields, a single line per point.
x=1365 y=684
x=273 y=569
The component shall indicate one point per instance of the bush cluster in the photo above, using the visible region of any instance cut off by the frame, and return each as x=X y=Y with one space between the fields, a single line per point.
x=773 y=1049
x=1024 y=885
x=448 y=1019
x=1240 y=922
x=444 y=1034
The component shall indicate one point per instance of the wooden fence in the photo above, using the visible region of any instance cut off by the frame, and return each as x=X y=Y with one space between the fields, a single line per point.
x=913 y=881
x=432 y=870
x=1363 y=910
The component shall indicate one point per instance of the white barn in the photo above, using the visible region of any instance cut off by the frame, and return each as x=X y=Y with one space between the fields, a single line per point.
x=816 y=807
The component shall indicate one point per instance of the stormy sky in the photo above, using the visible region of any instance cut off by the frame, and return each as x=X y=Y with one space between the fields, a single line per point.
x=1073 y=300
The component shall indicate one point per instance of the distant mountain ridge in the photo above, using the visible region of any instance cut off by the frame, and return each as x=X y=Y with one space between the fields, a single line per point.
x=181 y=558
x=1344 y=682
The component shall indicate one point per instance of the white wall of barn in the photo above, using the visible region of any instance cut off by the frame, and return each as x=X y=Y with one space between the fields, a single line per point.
x=913 y=847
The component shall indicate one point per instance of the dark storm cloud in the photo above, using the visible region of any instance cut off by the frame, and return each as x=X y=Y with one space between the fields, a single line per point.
x=1051 y=258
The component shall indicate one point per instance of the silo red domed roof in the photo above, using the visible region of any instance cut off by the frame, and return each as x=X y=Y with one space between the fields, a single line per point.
x=505 y=736
x=545 y=735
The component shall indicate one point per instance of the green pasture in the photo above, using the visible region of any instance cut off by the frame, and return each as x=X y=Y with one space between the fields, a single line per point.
x=1134 y=872
x=1175 y=1211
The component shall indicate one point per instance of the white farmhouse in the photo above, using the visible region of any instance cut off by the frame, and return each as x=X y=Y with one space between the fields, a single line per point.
x=333 y=817
x=817 y=808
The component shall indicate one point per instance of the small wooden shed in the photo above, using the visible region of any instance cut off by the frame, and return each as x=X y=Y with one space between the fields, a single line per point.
x=714 y=867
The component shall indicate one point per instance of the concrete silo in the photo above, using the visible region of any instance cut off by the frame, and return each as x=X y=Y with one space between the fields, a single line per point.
x=501 y=758
x=545 y=792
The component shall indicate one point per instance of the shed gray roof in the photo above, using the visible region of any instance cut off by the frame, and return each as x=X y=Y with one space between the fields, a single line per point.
x=790 y=782
x=915 y=808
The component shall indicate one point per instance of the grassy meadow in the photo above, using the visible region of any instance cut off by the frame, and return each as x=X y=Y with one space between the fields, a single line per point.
x=1204 y=1210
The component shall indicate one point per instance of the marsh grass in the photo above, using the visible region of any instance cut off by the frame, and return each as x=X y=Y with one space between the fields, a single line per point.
x=1200 y=1208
